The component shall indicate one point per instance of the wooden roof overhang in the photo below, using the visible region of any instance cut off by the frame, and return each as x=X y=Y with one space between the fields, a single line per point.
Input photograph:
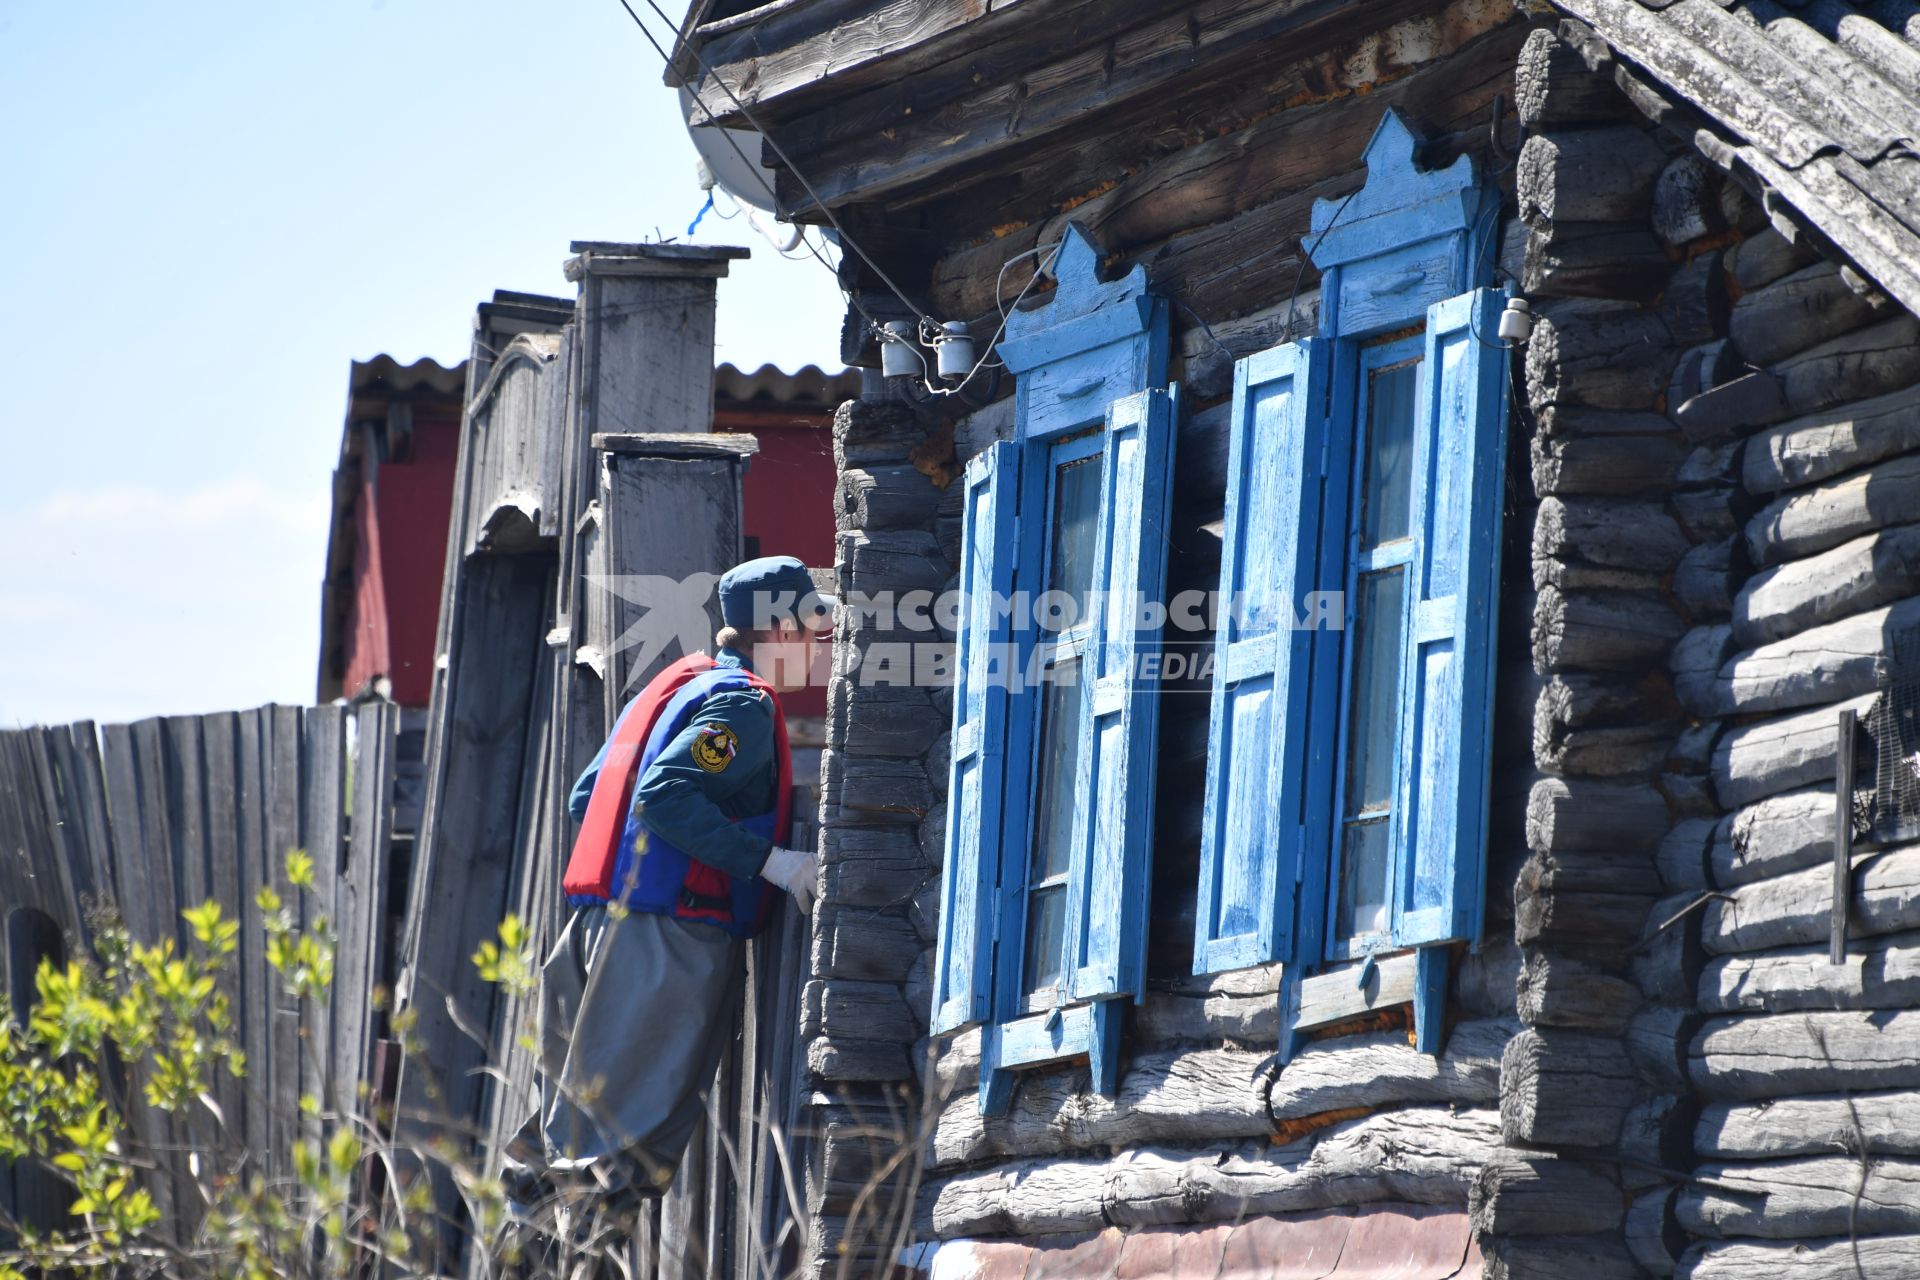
x=905 y=102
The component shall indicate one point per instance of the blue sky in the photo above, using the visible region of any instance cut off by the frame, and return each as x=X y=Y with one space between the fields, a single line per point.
x=206 y=212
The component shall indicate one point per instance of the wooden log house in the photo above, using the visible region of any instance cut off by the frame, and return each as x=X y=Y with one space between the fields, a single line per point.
x=1511 y=927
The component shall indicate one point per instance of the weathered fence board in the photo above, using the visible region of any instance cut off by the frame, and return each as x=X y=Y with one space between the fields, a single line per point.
x=152 y=818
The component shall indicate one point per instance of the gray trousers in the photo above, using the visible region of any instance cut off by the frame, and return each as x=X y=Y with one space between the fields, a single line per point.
x=635 y=1015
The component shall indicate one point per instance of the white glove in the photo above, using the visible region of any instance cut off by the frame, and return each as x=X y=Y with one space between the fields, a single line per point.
x=794 y=871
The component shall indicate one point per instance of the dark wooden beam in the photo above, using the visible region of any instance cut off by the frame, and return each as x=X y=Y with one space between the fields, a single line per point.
x=1178 y=211
x=896 y=148
x=802 y=56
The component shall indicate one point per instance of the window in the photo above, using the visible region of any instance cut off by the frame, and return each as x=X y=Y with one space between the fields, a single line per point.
x=1043 y=902
x=1346 y=791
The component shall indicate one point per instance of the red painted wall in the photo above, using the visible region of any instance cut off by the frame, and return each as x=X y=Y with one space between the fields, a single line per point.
x=788 y=494
x=403 y=512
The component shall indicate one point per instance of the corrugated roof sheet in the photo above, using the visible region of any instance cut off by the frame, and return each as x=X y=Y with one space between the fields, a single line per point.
x=1818 y=102
x=389 y=375
x=770 y=384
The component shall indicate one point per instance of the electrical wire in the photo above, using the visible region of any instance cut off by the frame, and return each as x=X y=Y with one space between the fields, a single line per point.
x=726 y=135
x=1005 y=314
x=1306 y=254
x=777 y=149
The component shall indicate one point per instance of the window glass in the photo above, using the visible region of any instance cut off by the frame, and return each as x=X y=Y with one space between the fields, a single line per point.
x=1073 y=514
x=1384 y=508
x=1377 y=590
x=1076 y=519
x=1373 y=710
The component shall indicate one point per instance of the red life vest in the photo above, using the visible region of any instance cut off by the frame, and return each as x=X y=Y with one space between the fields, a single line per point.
x=615 y=847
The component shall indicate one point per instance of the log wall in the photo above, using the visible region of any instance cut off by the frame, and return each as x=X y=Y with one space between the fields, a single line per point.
x=1212 y=193
x=1722 y=435
x=1360 y=1117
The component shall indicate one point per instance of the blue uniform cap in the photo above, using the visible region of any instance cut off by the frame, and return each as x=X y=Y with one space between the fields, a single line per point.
x=759 y=593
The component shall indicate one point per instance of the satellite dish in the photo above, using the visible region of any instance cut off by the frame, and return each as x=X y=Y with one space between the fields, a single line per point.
x=738 y=172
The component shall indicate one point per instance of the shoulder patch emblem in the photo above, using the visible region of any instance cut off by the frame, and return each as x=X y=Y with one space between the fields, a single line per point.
x=714 y=747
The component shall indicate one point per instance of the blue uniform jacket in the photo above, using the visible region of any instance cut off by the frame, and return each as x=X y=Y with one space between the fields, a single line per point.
x=719 y=768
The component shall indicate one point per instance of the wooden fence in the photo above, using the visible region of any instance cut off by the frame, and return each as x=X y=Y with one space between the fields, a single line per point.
x=142 y=821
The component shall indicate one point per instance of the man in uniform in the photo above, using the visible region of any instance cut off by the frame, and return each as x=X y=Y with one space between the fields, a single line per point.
x=680 y=858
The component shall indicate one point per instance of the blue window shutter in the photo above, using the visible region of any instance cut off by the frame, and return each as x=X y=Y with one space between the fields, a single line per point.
x=1447 y=681
x=1113 y=832
x=1257 y=824
x=963 y=971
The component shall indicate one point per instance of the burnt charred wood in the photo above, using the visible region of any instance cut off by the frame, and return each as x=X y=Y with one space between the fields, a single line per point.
x=1706 y=580
x=886 y=497
x=1580 y=576
x=1732 y=408
x=1653 y=1232
x=1560 y=990
x=845 y=1060
x=1594 y=260
x=1800 y=524
x=1604 y=174
x=1686 y=206
x=874 y=946
x=1797 y=313
x=857 y=1010
x=1601 y=726
x=1872 y=361
x=886 y=719
x=1571 y=816
x=1767 y=256
x=1611 y=466
x=1753 y=761
x=1557 y=83
x=1573 y=421
x=1636 y=535
x=876 y=432
x=1823 y=445
x=1601 y=631
x=1597 y=923
x=1540 y=1195
x=1696 y=304
x=1604 y=355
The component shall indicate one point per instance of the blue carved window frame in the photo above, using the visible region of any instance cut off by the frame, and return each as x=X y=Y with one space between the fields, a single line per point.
x=1089 y=367
x=1403 y=262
